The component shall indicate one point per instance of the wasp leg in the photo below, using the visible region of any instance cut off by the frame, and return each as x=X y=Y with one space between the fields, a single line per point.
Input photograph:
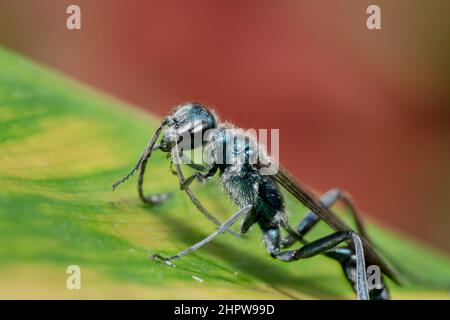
x=272 y=240
x=202 y=178
x=197 y=167
x=153 y=198
x=311 y=219
x=224 y=227
x=346 y=257
x=193 y=198
x=142 y=163
x=136 y=167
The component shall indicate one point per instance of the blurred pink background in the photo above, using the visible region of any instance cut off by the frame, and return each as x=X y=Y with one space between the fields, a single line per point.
x=366 y=111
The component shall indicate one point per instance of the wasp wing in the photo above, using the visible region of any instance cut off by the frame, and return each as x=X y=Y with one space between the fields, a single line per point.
x=312 y=202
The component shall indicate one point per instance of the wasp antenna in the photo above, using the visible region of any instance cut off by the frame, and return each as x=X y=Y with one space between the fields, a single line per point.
x=145 y=155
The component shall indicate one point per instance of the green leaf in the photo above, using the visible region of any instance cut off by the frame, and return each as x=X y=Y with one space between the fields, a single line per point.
x=62 y=145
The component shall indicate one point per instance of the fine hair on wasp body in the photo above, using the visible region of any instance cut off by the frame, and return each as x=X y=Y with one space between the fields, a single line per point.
x=242 y=165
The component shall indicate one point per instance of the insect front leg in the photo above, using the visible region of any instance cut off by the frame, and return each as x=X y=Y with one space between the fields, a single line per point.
x=196 y=167
x=144 y=156
x=202 y=178
x=153 y=198
x=141 y=165
x=272 y=241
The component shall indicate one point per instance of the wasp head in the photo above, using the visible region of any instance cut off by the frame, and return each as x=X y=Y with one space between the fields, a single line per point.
x=186 y=126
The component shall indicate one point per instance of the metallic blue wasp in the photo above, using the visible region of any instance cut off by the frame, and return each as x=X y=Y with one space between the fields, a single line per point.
x=239 y=161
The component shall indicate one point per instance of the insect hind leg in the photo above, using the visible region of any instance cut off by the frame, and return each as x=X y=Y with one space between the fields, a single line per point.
x=322 y=245
x=346 y=257
x=328 y=200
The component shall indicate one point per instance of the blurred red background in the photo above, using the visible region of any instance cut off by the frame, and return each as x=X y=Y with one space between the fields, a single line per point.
x=366 y=111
